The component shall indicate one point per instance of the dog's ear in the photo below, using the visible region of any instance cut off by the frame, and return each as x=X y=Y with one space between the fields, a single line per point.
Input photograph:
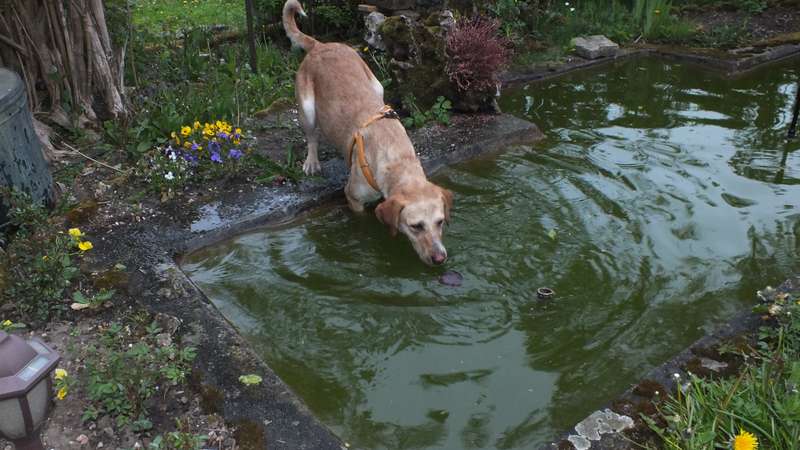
x=447 y=197
x=389 y=210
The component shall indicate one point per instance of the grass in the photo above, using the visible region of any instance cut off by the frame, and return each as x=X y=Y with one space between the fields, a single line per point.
x=763 y=399
x=165 y=16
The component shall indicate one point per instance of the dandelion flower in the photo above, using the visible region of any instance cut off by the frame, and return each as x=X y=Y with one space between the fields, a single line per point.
x=75 y=232
x=60 y=374
x=85 y=246
x=745 y=441
x=186 y=131
x=61 y=393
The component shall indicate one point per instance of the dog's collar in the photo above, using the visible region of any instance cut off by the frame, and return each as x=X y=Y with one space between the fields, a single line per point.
x=358 y=142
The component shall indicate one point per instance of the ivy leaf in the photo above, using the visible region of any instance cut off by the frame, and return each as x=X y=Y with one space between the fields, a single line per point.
x=249 y=380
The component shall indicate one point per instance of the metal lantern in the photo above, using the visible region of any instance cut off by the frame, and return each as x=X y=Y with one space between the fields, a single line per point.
x=25 y=388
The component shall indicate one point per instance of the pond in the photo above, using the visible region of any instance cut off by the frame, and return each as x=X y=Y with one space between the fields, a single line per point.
x=663 y=197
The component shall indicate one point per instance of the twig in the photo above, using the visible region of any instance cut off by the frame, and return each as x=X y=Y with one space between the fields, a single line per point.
x=74 y=150
x=14 y=44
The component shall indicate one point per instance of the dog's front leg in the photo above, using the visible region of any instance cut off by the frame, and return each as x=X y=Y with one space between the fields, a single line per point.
x=353 y=199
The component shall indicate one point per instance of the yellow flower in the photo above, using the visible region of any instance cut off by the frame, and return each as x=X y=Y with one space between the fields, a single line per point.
x=366 y=49
x=75 y=232
x=238 y=131
x=196 y=125
x=187 y=144
x=85 y=245
x=745 y=441
x=236 y=141
x=60 y=374
x=7 y=323
x=186 y=131
x=173 y=135
x=45 y=258
x=61 y=393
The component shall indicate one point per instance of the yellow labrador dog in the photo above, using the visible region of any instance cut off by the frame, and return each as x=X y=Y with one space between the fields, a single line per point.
x=339 y=96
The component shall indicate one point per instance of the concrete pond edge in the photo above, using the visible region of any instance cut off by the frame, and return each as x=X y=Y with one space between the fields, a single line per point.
x=269 y=414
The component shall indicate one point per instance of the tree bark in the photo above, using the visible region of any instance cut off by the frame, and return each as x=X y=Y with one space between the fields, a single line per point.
x=63 y=51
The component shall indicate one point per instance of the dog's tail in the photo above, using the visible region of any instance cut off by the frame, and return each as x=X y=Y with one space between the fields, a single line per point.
x=297 y=37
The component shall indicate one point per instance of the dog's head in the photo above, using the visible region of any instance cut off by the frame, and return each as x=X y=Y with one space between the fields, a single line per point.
x=420 y=214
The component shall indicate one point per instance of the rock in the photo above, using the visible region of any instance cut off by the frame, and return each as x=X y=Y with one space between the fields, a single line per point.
x=713 y=365
x=82 y=212
x=594 y=47
x=101 y=190
x=372 y=25
x=407 y=13
x=164 y=340
x=109 y=432
x=447 y=20
x=82 y=439
x=451 y=278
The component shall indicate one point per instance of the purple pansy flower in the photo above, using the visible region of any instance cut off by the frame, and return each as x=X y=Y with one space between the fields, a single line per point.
x=215 y=156
x=223 y=135
x=195 y=147
x=234 y=153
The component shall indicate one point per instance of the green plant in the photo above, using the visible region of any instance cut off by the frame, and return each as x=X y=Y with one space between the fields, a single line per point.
x=183 y=439
x=197 y=152
x=273 y=171
x=439 y=112
x=751 y=6
x=122 y=378
x=93 y=301
x=39 y=260
x=763 y=399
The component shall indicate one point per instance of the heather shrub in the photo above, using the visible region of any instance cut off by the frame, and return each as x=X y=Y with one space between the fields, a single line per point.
x=476 y=54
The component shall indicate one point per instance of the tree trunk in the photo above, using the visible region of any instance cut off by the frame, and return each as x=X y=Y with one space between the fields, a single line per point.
x=63 y=51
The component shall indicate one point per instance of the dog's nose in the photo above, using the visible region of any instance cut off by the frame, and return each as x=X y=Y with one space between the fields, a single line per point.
x=438 y=258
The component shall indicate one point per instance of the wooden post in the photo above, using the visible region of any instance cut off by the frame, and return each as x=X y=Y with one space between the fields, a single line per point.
x=251 y=36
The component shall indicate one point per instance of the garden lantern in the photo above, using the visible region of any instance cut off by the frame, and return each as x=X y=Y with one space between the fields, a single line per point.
x=25 y=388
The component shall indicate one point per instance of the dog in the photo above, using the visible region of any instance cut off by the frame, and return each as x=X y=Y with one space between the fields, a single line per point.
x=339 y=98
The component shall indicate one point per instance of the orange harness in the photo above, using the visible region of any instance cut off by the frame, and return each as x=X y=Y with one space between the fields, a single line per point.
x=358 y=141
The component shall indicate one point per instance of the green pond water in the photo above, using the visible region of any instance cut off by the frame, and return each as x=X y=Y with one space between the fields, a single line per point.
x=662 y=199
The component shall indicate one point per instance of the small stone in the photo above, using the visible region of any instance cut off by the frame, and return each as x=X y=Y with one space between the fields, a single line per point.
x=164 y=340
x=714 y=366
x=184 y=400
x=109 y=432
x=101 y=190
x=372 y=26
x=594 y=47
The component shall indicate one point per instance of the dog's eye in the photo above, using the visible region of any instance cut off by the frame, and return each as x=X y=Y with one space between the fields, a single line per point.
x=440 y=223
x=418 y=226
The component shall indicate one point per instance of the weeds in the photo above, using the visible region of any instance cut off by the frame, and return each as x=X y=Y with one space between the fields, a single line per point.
x=439 y=112
x=762 y=400
x=40 y=260
x=274 y=171
x=123 y=377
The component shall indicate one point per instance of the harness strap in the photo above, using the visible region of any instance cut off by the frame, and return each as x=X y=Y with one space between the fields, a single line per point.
x=358 y=142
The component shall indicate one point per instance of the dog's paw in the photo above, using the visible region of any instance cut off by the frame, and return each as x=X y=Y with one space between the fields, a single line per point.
x=311 y=167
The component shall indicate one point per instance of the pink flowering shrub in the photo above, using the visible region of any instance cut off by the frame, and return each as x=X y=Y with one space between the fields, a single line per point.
x=476 y=54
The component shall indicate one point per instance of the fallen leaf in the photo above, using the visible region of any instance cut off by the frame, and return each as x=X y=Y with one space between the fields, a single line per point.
x=249 y=380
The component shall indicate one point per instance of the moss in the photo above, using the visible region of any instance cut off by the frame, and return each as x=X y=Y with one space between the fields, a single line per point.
x=81 y=213
x=249 y=435
x=650 y=389
x=111 y=279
